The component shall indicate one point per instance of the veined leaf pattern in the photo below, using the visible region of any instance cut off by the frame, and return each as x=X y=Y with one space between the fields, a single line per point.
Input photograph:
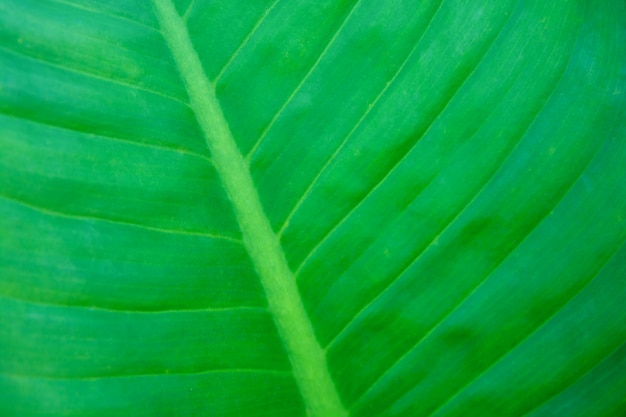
x=329 y=208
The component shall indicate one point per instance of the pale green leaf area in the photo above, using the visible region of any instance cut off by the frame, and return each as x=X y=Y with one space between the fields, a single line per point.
x=319 y=208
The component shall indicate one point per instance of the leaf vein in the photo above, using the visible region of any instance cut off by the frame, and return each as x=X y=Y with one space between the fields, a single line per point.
x=112 y=310
x=485 y=279
x=302 y=82
x=244 y=42
x=356 y=126
x=56 y=213
x=575 y=380
x=164 y=374
x=190 y=7
x=395 y=165
x=103 y=13
x=544 y=324
x=108 y=137
x=91 y=75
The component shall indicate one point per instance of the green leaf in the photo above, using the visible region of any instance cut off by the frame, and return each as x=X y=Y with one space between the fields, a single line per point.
x=324 y=208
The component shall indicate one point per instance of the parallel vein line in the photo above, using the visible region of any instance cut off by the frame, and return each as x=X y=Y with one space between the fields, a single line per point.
x=398 y=276
x=56 y=213
x=188 y=10
x=91 y=75
x=573 y=382
x=354 y=129
x=546 y=101
x=450 y=223
x=393 y=168
x=544 y=324
x=346 y=266
x=484 y=279
x=302 y=82
x=164 y=374
x=108 y=137
x=127 y=311
x=245 y=41
x=103 y=13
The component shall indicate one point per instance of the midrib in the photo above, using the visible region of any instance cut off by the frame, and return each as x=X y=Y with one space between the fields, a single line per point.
x=306 y=356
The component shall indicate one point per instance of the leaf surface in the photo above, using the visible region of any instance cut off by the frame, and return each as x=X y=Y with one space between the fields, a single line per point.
x=321 y=208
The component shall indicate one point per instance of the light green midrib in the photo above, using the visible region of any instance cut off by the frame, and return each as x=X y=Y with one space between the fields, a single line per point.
x=307 y=357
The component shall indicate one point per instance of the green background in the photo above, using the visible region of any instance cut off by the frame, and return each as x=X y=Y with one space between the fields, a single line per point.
x=446 y=179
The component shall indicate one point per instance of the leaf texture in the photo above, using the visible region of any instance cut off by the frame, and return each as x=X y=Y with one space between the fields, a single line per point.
x=438 y=188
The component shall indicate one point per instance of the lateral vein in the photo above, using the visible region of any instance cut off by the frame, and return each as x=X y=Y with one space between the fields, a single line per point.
x=306 y=356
